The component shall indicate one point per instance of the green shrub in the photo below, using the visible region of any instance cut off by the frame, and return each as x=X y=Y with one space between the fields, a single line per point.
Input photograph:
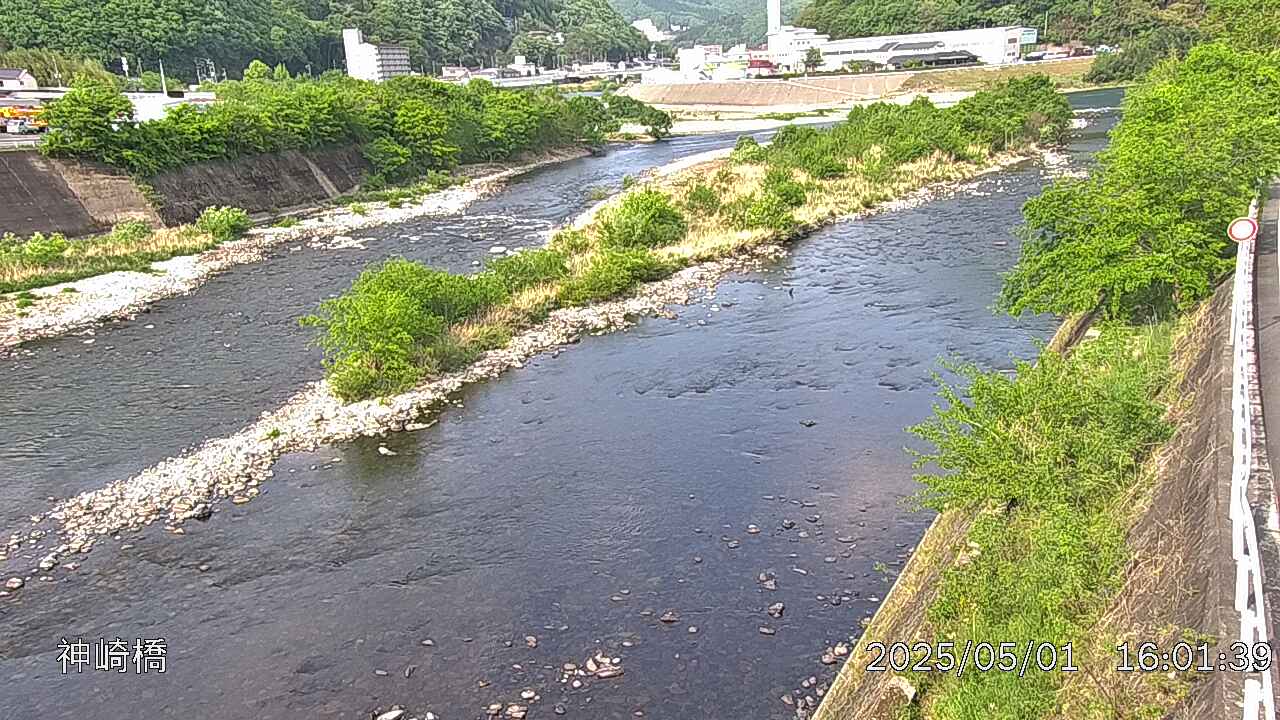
x=645 y=218
x=129 y=232
x=747 y=150
x=779 y=183
x=24 y=303
x=379 y=336
x=358 y=208
x=527 y=268
x=570 y=242
x=1051 y=457
x=223 y=223
x=39 y=249
x=702 y=200
x=613 y=272
x=389 y=159
x=287 y=221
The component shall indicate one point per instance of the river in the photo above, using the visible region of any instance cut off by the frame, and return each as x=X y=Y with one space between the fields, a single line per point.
x=572 y=501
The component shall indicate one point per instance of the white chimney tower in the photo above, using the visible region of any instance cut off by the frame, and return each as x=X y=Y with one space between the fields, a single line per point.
x=775 y=15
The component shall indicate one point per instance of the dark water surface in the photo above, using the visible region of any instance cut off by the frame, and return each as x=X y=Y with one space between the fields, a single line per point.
x=563 y=500
x=75 y=416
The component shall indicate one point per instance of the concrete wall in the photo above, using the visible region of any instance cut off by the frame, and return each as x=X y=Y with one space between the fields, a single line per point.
x=260 y=183
x=38 y=194
x=34 y=197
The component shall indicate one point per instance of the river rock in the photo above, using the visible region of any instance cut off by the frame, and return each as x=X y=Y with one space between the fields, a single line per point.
x=788 y=523
x=753 y=529
x=14 y=583
x=394 y=714
x=840 y=650
x=670 y=616
x=558 y=709
x=528 y=694
x=776 y=609
x=497 y=249
x=516 y=712
x=384 y=450
x=693 y=629
x=608 y=672
x=766 y=630
x=531 y=641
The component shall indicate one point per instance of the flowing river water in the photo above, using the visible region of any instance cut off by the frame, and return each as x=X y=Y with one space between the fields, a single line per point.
x=572 y=501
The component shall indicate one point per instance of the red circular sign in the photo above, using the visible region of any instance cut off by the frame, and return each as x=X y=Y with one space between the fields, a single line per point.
x=1242 y=229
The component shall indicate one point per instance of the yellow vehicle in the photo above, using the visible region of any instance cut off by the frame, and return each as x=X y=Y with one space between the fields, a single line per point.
x=22 y=120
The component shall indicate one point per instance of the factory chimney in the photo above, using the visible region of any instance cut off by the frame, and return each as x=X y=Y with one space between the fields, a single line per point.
x=775 y=15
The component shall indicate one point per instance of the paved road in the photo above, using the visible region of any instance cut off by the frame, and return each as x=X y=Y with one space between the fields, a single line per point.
x=1267 y=323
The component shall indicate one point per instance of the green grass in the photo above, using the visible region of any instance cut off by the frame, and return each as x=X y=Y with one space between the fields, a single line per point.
x=413 y=192
x=1050 y=457
x=789 y=116
x=40 y=261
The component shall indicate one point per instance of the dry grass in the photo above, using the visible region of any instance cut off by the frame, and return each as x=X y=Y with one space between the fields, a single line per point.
x=101 y=254
x=1065 y=74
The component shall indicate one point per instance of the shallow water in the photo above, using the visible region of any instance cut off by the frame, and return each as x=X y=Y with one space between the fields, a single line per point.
x=563 y=499
x=78 y=415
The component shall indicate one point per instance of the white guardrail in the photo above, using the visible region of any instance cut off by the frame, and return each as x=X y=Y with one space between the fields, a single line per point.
x=1246 y=404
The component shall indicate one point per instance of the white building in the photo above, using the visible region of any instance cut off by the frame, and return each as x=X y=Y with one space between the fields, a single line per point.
x=650 y=30
x=17 y=79
x=990 y=46
x=788 y=46
x=375 y=63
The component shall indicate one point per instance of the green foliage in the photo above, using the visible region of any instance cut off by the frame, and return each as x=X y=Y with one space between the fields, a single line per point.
x=257 y=70
x=231 y=33
x=611 y=273
x=57 y=69
x=1244 y=24
x=747 y=150
x=1113 y=22
x=883 y=136
x=81 y=122
x=1141 y=55
x=570 y=242
x=358 y=208
x=1047 y=455
x=527 y=268
x=702 y=200
x=407 y=126
x=223 y=223
x=287 y=221
x=757 y=212
x=812 y=59
x=46 y=260
x=644 y=219
x=779 y=183
x=386 y=332
x=38 y=249
x=1145 y=234
x=657 y=123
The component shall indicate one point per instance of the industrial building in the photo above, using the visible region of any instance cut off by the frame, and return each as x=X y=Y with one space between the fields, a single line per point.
x=375 y=63
x=787 y=47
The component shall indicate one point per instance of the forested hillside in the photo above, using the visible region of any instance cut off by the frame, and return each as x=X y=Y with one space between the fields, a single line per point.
x=298 y=33
x=1114 y=22
x=711 y=21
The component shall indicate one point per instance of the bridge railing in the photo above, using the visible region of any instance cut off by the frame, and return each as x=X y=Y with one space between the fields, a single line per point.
x=1247 y=452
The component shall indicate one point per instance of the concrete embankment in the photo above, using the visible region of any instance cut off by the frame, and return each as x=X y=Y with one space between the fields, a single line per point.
x=779 y=95
x=1177 y=585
